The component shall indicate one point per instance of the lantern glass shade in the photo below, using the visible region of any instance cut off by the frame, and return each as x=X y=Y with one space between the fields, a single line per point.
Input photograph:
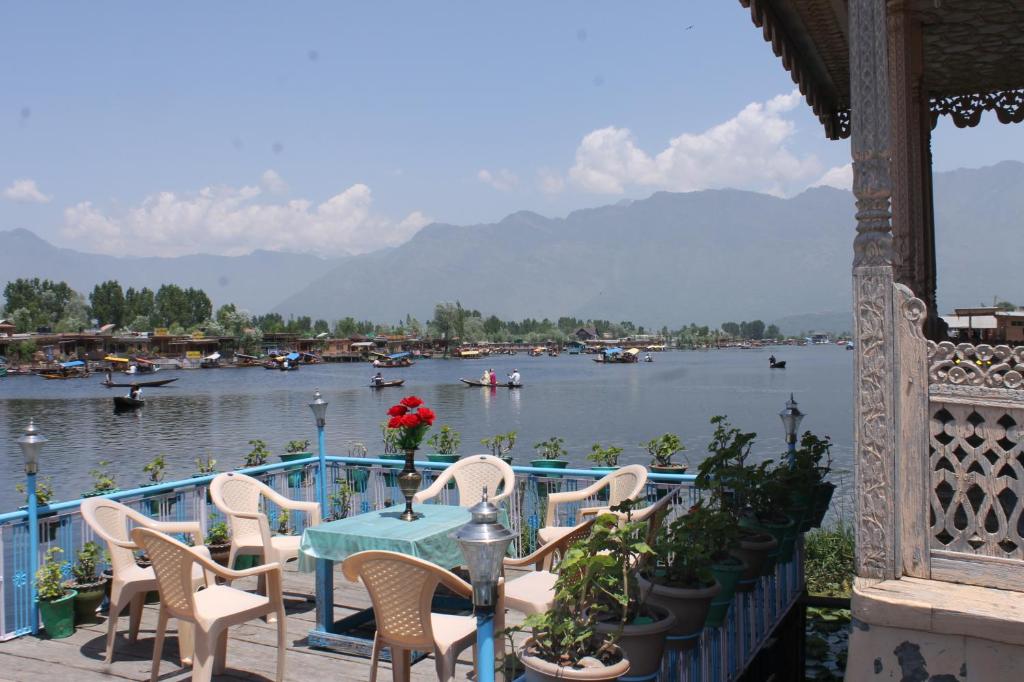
x=483 y=542
x=319 y=407
x=31 y=443
x=791 y=418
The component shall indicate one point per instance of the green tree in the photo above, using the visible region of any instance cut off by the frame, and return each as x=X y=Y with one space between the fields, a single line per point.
x=34 y=303
x=320 y=327
x=107 y=303
x=199 y=307
x=345 y=327
x=139 y=304
x=772 y=332
x=731 y=328
x=271 y=323
x=171 y=306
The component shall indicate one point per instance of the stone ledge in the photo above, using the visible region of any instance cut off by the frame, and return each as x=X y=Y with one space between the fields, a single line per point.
x=941 y=607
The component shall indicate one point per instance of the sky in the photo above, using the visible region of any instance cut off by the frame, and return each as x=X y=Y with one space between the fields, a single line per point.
x=332 y=128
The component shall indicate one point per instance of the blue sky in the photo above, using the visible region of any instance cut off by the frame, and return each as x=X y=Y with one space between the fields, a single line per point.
x=332 y=127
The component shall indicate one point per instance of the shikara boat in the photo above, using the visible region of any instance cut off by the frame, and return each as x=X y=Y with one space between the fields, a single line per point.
x=394 y=360
x=473 y=382
x=141 y=384
x=123 y=402
x=388 y=384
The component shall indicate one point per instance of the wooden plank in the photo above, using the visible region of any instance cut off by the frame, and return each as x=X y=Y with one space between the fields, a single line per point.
x=1001 y=574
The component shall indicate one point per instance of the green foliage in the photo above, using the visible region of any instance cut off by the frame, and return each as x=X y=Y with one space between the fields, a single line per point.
x=550 y=448
x=389 y=438
x=50 y=576
x=500 y=444
x=752 y=330
x=22 y=352
x=604 y=457
x=44 y=489
x=156 y=468
x=446 y=441
x=139 y=304
x=259 y=454
x=687 y=547
x=296 y=446
x=107 y=304
x=102 y=479
x=828 y=560
x=186 y=307
x=284 y=517
x=87 y=563
x=662 y=449
x=339 y=502
x=217 y=533
x=34 y=303
x=207 y=465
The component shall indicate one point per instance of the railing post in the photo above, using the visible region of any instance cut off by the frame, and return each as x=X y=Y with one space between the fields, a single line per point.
x=33 y=549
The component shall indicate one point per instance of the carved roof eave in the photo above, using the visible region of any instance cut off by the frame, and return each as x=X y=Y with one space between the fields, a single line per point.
x=812 y=69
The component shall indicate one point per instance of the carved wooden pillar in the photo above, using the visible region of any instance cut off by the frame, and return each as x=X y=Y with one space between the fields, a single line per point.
x=874 y=439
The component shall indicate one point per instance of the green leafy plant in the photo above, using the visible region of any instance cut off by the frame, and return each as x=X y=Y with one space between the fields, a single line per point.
x=102 y=479
x=828 y=560
x=294 y=447
x=259 y=454
x=604 y=457
x=155 y=468
x=87 y=563
x=217 y=533
x=284 y=518
x=339 y=502
x=687 y=547
x=390 y=438
x=207 y=465
x=550 y=448
x=50 y=576
x=446 y=441
x=44 y=490
x=663 y=448
x=500 y=444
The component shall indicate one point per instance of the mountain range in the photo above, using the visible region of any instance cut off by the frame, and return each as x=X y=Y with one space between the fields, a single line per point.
x=707 y=257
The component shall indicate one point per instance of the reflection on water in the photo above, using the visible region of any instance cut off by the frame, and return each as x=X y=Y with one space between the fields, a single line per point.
x=217 y=411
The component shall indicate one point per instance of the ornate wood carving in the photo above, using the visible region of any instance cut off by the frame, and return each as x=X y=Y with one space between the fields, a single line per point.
x=982 y=365
x=966 y=110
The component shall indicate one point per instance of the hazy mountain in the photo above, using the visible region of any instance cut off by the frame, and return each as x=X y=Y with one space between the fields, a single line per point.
x=708 y=256
x=255 y=282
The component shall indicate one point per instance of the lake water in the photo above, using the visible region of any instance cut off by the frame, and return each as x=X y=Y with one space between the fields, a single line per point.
x=217 y=411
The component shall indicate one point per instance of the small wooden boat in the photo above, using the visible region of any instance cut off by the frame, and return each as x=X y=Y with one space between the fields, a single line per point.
x=388 y=384
x=472 y=382
x=773 y=364
x=141 y=384
x=123 y=402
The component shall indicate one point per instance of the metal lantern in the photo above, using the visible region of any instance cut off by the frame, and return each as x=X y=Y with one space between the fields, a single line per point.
x=319 y=407
x=791 y=418
x=31 y=444
x=483 y=542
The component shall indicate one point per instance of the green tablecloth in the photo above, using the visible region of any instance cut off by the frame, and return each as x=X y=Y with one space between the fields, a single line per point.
x=426 y=538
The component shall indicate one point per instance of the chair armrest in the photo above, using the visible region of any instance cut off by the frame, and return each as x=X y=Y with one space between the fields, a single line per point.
x=433 y=490
x=555 y=499
x=169 y=527
x=210 y=566
x=594 y=511
x=455 y=584
x=297 y=505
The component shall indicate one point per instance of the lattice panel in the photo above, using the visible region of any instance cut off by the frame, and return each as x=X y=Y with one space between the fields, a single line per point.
x=977 y=472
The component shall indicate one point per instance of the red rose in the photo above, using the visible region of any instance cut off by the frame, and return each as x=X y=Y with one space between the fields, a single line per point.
x=426 y=414
x=410 y=421
x=397 y=410
x=411 y=402
x=394 y=422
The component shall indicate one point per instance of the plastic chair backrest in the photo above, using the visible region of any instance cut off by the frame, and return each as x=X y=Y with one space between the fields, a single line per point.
x=172 y=563
x=625 y=483
x=402 y=590
x=234 y=492
x=109 y=520
x=473 y=473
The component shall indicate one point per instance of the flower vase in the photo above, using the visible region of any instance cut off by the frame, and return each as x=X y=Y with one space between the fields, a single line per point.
x=409 y=483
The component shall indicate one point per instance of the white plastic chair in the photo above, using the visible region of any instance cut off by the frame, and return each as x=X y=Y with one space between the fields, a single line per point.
x=401 y=588
x=534 y=592
x=238 y=497
x=472 y=475
x=110 y=521
x=623 y=484
x=211 y=611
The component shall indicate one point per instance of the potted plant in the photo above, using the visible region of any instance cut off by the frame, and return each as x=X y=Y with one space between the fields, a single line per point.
x=44 y=490
x=445 y=443
x=284 y=523
x=409 y=421
x=155 y=470
x=339 y=502
x=390 y=438
x=605 y=459
x=550 y=452
x=357 y=476
x=218 y=541
x=720 y=531
x=56 y=600
x=296 y=449
x=205 y=466
x=681 y=578
x=103 y=481
x=88 y=584
x=501 y=444
x=661 y=450
x=810 y=464
x=259 y=454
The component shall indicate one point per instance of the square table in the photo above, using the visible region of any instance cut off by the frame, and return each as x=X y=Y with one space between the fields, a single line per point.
x=427 y=538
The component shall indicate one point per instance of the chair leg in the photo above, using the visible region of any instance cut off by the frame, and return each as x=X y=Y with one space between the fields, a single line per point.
x=135 y=616
x=444 y=664
x=282 y=643
x=220 y=656
x=186 y=642
x=400 y=664
x=113 y=615
x=202 y=663
x=158 y=644
x=374 y=656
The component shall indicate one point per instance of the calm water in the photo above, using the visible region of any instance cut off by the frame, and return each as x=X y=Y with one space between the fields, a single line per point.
x=218 y=411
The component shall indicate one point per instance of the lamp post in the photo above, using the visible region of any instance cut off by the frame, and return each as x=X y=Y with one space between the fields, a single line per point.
x=483 y=542
x=324 y=567
x=319 y=408
x=791 y=418
x=31 y=443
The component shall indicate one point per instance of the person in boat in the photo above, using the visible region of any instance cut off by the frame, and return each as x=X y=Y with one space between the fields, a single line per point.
x=135 y=393
x=494 y=378
x=648 y=358
x=377 y=379
x=771 y=359
x=514 y=378
x=110 y=377
x=486 y=378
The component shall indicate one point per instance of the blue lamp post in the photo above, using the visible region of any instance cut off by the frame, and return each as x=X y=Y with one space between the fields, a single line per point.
x=31 y=443
x=483 y=542
x=791 y=418
x=319 y=407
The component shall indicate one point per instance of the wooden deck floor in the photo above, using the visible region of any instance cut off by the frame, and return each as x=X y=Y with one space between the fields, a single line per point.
x=251 y=647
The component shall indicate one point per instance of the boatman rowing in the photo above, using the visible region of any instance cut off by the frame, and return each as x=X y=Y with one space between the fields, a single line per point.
x=514 y=378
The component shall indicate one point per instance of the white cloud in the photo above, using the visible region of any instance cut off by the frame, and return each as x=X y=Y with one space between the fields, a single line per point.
x=840 y=177
x=502 y=179
x=550 y=182
x=273 y=182
x=234 y=221
x=25 y=191
x=748 y=151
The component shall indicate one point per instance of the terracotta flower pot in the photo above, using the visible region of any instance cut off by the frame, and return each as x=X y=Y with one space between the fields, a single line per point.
x=754 y=549
x=689 y=605
x=539 y=670
x=643 y=643
x=220 y=552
